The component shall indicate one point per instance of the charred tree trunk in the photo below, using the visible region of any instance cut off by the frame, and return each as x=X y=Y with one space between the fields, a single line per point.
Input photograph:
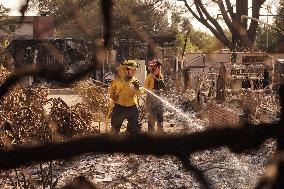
x=221 y=85
x=243 y=36
x=241 y=9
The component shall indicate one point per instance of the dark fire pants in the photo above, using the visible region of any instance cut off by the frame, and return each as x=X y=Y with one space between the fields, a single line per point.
x=120 y=113
x=155 y=113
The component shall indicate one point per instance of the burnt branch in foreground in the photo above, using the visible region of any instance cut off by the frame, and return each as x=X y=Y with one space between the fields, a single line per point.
x=80 y=183
x=237 y=139
x=272 y=176
x=198 y=174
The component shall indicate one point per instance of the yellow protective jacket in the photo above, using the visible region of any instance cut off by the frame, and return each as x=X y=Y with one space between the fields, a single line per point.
x=150 y=81
x=123 y=92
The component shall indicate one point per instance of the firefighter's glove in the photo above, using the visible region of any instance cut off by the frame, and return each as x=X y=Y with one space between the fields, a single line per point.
x=136 y=84
x=159 y=84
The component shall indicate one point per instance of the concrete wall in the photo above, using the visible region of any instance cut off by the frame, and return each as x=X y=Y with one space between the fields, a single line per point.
x=24 y=29
x=212 y=59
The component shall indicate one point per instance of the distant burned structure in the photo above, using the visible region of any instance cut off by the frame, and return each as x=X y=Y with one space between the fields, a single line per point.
x=251 y=72
x=232 y=93
x=128 y=48
x=248 y=93
x=68 y=54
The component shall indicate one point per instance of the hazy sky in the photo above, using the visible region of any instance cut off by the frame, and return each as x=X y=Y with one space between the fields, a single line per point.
x=14 y=5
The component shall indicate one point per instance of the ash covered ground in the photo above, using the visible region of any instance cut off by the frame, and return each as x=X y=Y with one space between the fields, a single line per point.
x=223 y=168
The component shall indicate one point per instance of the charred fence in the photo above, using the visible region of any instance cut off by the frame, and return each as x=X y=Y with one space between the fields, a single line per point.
x=237 y=139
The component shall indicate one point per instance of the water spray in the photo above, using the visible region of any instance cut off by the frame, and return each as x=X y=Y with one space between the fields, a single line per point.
x=167 y=103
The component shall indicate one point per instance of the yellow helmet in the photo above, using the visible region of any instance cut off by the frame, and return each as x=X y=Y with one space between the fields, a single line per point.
x=132 y=64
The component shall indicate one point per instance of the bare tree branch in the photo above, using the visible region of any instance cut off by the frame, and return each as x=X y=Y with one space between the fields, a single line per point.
x=256 y=5
x=226 y=18
x=240 y=35
x=133 y=21
x=185 y=43
x=210 y=18
x=23 y=9
x=230 y=8
x=107 y=12
x=269 y=180
x=196 y=172
x=80 y=182
x=201 y=19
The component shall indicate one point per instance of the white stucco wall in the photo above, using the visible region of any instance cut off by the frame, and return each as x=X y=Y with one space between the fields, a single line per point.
x=141 y=71
x=24 y=29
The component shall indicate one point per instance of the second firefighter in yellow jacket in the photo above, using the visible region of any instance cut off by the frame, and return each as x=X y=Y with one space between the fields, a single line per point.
x=124 y=91
x=155 y=83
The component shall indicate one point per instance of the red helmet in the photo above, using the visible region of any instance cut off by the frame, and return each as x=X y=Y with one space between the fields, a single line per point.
x=155 y=63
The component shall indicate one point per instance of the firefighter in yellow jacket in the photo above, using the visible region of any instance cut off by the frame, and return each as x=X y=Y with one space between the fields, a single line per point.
x=155 y=83
x=124 y=92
